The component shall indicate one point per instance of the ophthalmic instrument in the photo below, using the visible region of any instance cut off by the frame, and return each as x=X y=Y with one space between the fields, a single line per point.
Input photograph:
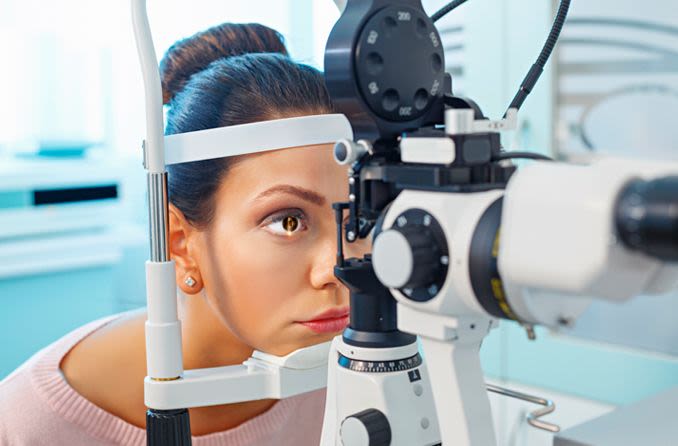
x=461 y=239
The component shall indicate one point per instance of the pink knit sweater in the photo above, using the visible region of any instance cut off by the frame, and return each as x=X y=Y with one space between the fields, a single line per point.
x=38 y=407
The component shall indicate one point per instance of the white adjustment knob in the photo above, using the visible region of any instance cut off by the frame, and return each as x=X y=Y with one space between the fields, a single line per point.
x=392 y=259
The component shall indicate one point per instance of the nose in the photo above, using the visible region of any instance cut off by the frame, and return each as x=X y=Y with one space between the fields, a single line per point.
x=322 y=269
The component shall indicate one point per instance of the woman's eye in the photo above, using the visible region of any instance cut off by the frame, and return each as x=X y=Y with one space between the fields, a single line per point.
x=286 y=224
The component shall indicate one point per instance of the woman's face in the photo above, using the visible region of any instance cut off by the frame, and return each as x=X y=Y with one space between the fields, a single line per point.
x=267 y=258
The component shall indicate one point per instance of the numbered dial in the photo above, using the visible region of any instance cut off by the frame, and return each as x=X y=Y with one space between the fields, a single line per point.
x=400 y=63
x=367 y=428
x=399 y=365
x=412 y=256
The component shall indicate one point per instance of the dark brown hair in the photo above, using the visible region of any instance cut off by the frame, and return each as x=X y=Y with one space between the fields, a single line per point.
x=228 y=75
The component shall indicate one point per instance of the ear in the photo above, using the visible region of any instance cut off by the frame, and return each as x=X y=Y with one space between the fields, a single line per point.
x=183 y=237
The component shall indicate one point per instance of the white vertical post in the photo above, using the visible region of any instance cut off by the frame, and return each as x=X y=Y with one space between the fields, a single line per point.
x=154 y=143
x=464 y=413
x=164 y=359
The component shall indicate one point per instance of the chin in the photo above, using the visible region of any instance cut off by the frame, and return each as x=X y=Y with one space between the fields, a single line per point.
x=319 y=338
x=302 y=338
x=315 y=339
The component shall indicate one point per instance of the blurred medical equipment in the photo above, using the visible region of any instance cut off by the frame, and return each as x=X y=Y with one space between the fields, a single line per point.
x=615 y=56
x=40 y=196
x=63 y=245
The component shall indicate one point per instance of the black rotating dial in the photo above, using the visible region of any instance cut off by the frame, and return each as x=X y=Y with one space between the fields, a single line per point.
x=400 y=63
x=412 y=256
x=367 y=428
x=397 y=365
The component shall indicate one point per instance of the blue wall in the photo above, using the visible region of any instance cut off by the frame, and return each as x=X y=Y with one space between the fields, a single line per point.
x=37 y=310
x=588 y=369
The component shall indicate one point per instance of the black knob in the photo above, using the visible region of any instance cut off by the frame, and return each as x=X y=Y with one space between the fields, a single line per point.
x=367 y=428
x=168 y=428
x=425 y=255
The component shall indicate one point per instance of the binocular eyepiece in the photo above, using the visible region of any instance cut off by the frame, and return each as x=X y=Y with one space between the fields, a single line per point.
x=647 y=217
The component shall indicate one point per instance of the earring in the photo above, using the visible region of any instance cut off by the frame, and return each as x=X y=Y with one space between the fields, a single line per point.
x=190 y=282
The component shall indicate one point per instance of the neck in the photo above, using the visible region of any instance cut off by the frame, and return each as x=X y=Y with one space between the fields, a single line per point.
x=207 y=342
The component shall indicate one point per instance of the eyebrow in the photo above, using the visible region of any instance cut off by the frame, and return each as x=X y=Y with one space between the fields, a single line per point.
x=304 y=194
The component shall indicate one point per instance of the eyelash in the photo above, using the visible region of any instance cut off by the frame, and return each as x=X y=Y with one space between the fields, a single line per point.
x=280 y=217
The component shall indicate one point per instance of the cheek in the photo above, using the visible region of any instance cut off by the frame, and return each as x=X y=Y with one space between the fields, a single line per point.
x=258 y=281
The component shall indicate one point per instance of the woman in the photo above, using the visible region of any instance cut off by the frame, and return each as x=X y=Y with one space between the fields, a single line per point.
x=254 y=241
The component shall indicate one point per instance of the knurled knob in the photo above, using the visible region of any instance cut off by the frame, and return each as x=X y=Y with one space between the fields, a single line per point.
x=367 y=428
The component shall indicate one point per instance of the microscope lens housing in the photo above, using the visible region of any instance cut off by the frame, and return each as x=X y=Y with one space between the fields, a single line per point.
x=647 y=217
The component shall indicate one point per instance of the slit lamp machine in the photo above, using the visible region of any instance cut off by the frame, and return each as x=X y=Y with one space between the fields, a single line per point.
x=461 y=239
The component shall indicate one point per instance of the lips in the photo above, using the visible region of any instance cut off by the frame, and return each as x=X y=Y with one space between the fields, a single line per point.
x=330 y=321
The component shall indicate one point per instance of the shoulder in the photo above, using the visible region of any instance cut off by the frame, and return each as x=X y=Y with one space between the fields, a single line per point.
x=35 y=397
x=19 y=411
x=19 y=404
x=27 y=417
x=115 y=355
x=116 y=346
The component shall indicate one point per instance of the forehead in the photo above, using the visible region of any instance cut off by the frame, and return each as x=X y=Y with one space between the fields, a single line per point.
x=310 y=167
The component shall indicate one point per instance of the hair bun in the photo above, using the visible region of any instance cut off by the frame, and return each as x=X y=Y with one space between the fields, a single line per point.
x=194 y=54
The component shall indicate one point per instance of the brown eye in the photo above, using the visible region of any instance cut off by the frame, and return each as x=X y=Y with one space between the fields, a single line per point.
x=286 y=223
x=290 y=223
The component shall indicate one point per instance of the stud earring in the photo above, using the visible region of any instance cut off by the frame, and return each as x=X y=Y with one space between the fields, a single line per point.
x=190 y=282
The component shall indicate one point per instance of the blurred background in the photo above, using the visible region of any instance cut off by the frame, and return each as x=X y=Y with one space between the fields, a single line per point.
x=73 y=234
